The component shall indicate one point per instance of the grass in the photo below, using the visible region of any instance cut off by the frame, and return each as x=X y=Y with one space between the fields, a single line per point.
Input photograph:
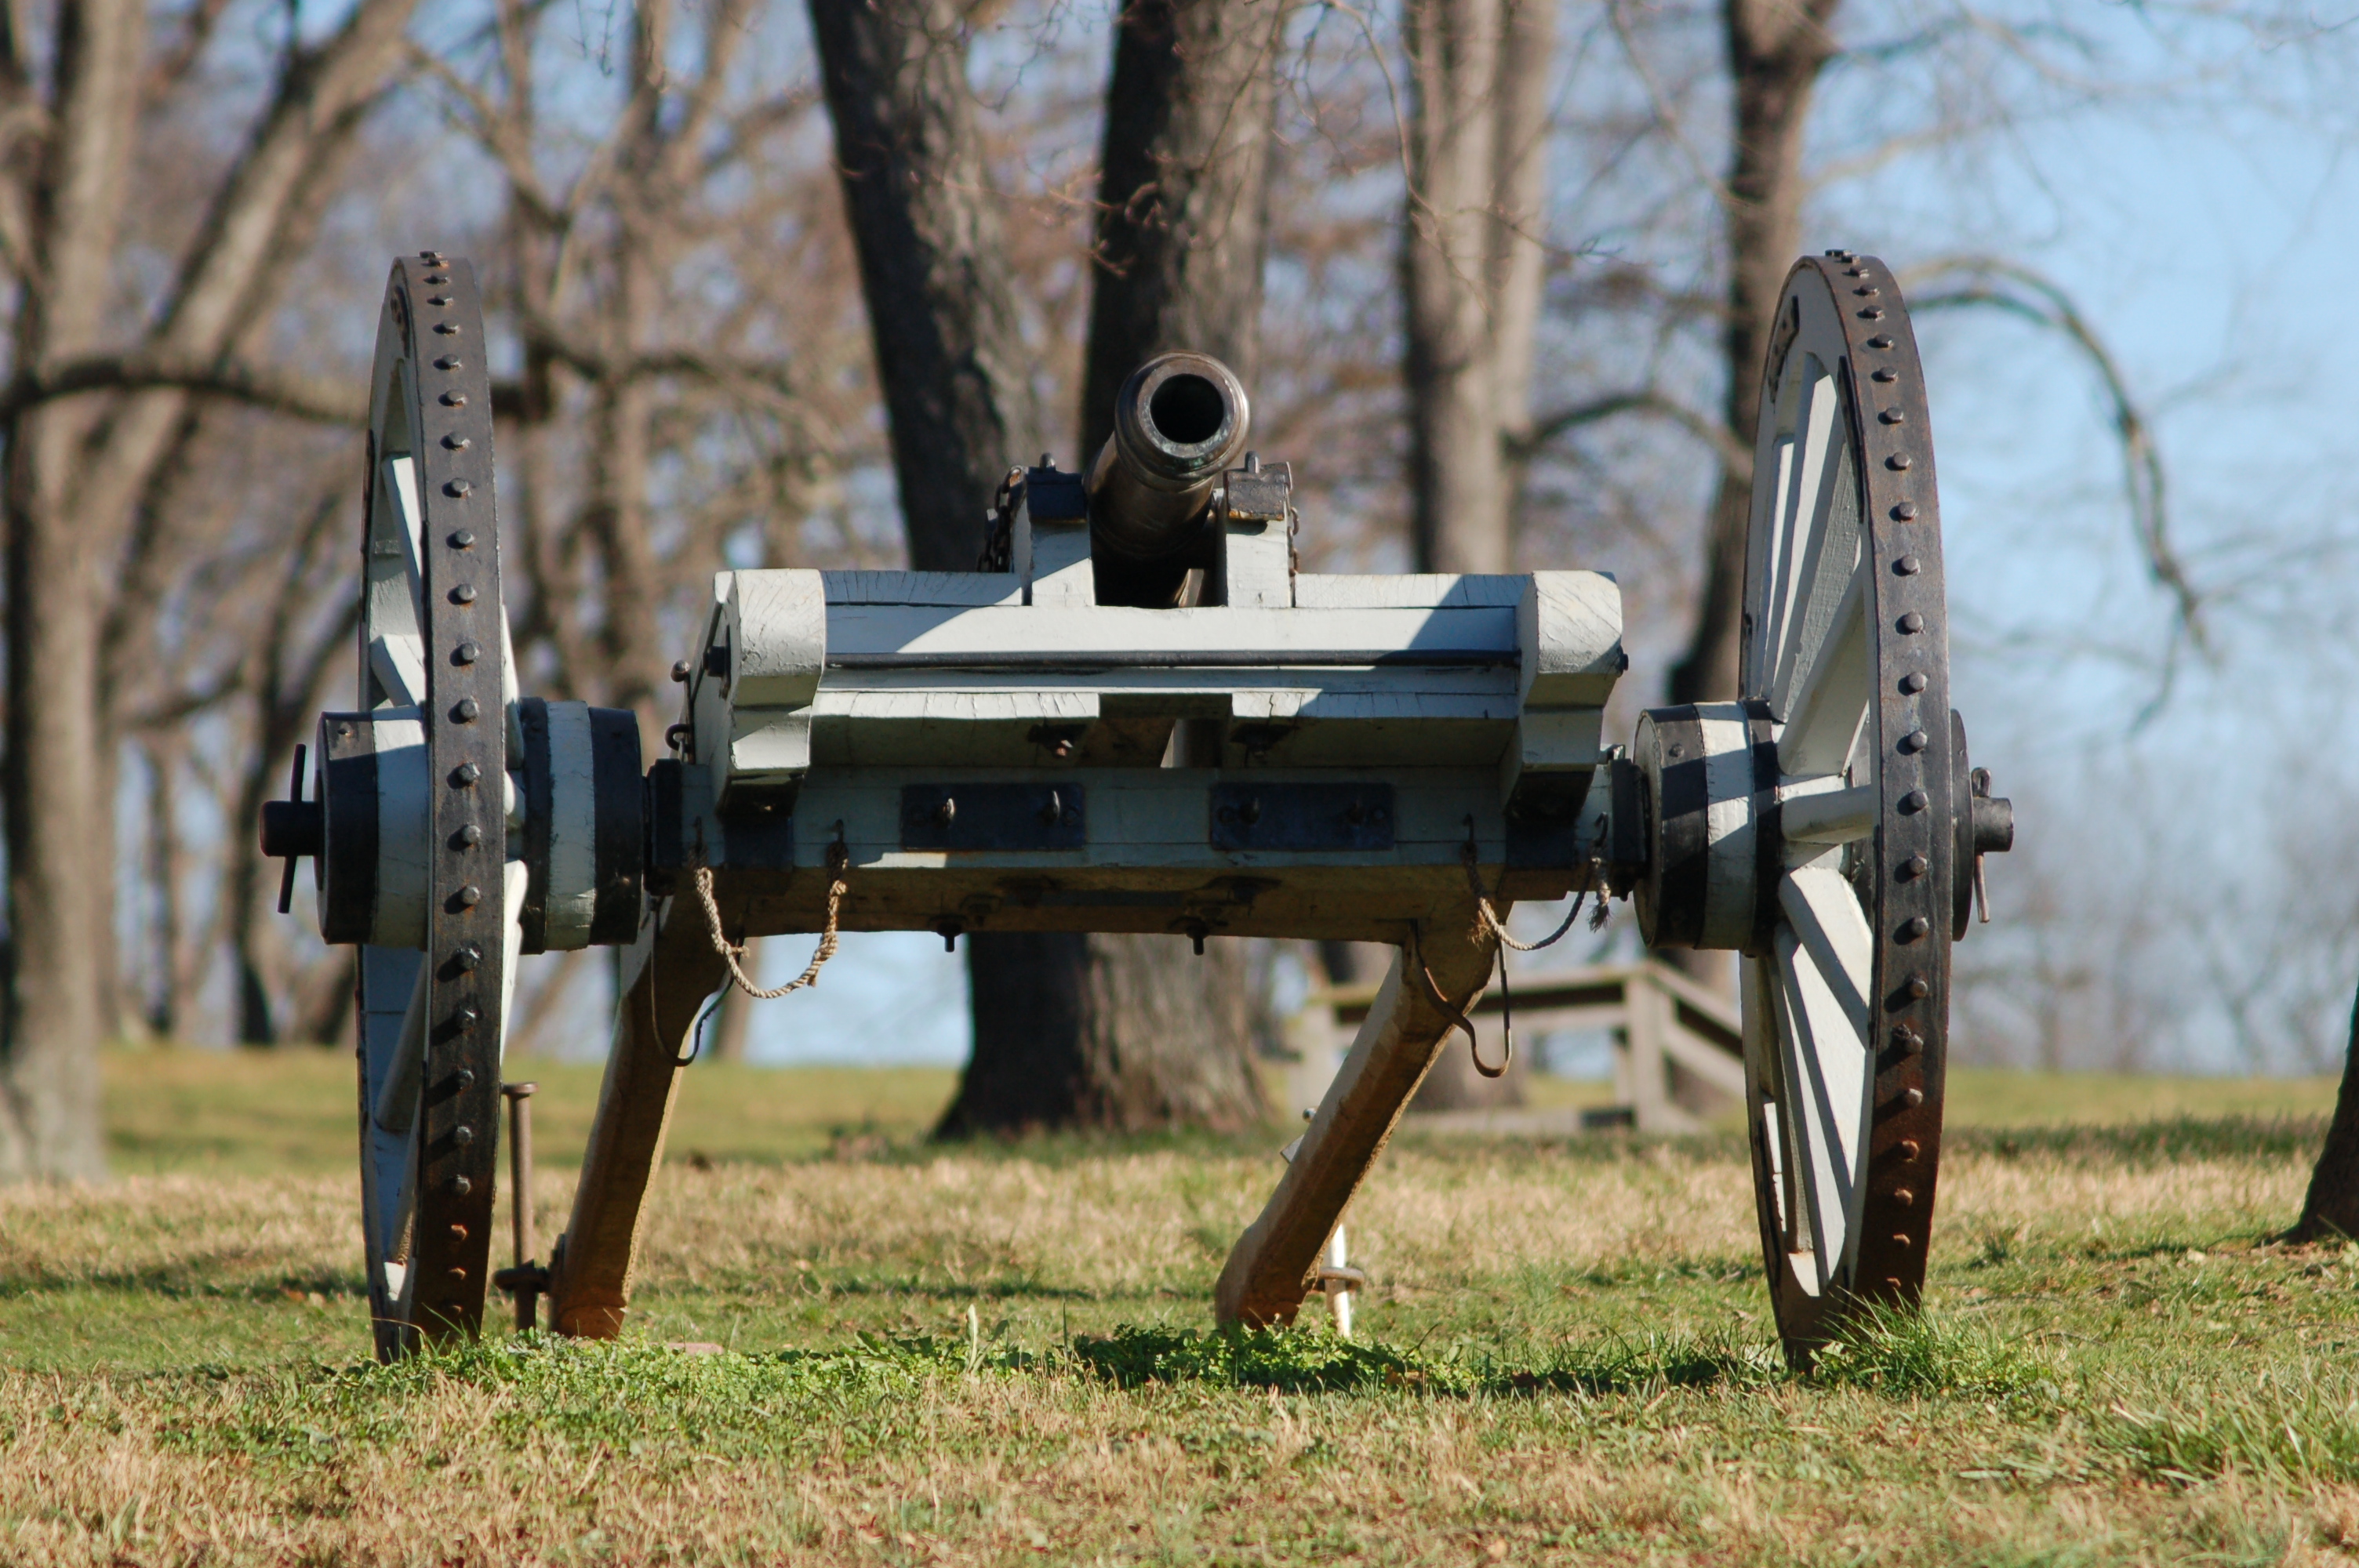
x=998 y=1355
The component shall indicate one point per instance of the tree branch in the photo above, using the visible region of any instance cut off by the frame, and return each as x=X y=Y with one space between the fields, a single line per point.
x=1989 y=283
x=1731 y=452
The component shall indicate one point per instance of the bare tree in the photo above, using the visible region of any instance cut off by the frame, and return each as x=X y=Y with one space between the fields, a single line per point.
x=81 y=470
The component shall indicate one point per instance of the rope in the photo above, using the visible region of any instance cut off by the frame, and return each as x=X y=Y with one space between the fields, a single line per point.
x=839 y=861
x=1491 y=921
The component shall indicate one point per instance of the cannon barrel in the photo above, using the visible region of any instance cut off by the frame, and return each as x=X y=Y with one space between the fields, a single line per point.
x=1179 y=422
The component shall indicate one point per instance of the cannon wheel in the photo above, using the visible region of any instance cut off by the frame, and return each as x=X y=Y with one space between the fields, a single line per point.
x=1846 y=991
x=435 y=671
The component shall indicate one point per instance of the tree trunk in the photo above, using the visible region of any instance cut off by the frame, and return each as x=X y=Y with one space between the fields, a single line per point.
x=1776 y=51
x=1182 y=193
x=1069 y=1030
x=950 y=357
x=2332 y=1207
x=1107 y=1032
x=60 y=913
x=1457 y=468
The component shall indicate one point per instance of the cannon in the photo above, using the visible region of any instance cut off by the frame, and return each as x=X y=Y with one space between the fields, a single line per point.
x=1141 y=716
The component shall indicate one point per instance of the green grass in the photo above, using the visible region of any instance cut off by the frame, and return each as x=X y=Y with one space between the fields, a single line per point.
x=998 y=1354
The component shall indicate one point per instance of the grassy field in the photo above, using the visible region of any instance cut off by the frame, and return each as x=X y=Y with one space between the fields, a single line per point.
x=998 y=1355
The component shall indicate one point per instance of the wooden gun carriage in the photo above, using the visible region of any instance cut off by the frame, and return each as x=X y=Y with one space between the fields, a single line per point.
x=1140 y=716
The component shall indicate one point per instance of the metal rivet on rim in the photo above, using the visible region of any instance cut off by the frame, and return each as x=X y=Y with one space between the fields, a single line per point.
x=462 y=1134
x=463 y=594
x=1872 y=313
x=1914 y=740
x=1879 y=341
x=466 y=773
x=462 y=538
x=458 y=1233
x=1887 y=373
x=457 y=443
x=438 y=300
x=1911 y=623
x=447 y=328
x=469 y=837
x=1914 y=1097
x=1864 y=289
x=1908 y=566
x=1899 y=1239
x=466 y=652
x=464 y=1015
x=459 y=1276
x=457 y=487
x=1913 y=682
x=1908 y=1039
x=1914 y=928
x=1839 y=254
x=466 y=1076
x=448 y=362
x=1913 y=801
x=1897 y=462
x=1906 y=511
x=1893 y=417
x=1919 y=986
x=1908 y=1150
x=463 y=1186
x=466 y=710
x=470 y=895
x=1914 y=865
x=1904 y=1197
x=454 y=400
x=429 y=256
x=680 y=671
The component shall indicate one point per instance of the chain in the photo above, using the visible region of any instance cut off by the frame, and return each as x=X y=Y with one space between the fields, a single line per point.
x=839 y=862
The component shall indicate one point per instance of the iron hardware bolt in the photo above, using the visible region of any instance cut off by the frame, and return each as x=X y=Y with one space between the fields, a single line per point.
x=947 y=812
x=466 y=652
x=466 y=710
x=1911 y=623
x=466 y=773
x=1913 y=682
x=463 y=594
x=679 y=672
x=1914 y=928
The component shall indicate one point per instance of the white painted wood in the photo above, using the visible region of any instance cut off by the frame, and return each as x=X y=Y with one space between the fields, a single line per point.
x=1408 y=591
x=1216 y=634
x=1828 y=815
x=404 y=800
x=1052 y=557
x=965 y=590
x=1824 y=958
x=1569 y=633
x=395 y=589
x=573 y=892
x=941 y=729
x=777 y=630
x=1825 y=712
x=1730 y=829
x=1552 y=741
x=1257 y=564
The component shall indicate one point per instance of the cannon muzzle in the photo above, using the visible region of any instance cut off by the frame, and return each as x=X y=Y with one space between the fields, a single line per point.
x=1179 y=422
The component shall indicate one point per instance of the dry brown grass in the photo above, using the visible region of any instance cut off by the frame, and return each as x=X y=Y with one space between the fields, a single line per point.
x=178 y=1380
